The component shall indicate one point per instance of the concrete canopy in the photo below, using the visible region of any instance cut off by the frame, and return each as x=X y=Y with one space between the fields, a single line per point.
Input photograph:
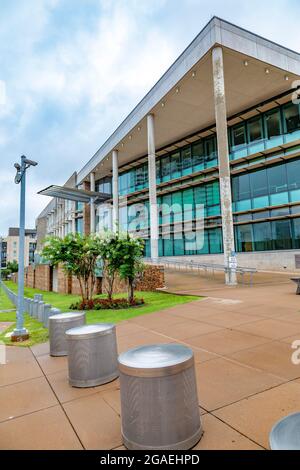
x=182 y=100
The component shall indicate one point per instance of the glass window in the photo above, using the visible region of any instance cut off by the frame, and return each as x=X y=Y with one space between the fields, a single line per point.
x=244 y=241
x=165 y=168
x=259 y=183
x=198 y=156
x=215 y=240
x=210 y=151
x=241 y=187
x=262 y=236
x=296 y=230
x=295 y=210
x=273 y=123
x=277 y=179
x=281 y=231
x=239 y=135
x=291 y=117
x=255 y=129
x=293 y=174
x=186 y=158
x=261 y=215
x=175 y=165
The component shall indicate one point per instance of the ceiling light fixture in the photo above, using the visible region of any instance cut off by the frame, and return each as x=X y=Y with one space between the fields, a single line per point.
x=130 y=137
x=286 y=77
x=163 y=104
x=122 y=144
x=139 y=128
x=267 y=71
x=246 y=63
x=177 y=90
x=193 y=74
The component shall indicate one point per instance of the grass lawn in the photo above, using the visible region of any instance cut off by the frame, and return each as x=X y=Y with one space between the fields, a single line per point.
x=154 y=301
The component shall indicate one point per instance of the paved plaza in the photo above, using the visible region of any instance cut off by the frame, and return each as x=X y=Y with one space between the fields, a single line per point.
x=241 y=338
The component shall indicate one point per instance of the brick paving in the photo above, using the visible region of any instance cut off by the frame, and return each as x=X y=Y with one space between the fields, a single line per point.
x=241 y=338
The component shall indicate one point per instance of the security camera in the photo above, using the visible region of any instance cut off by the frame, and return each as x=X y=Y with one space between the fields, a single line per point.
x=17 y=166
x=30 y=162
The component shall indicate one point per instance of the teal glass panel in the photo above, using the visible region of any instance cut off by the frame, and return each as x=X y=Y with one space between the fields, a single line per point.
x=187 y=161
x=291 y=117
x=165 y=169
x=215 y=240
x=281 y=232
x=213 y=210
x=291 y=136
x=277 y=179
x=259 y=202
x=210 y=152
x=296 y=233
x=293 y=174
x=175 y=165
x=295 y=195
x=168 y=247
x=262 y=236
x=244 y=238
x=202 y=242
x=160 y=247
x=178 y=246
x=198 y=156
x=158 y=174
x=280 y=198
x=243 y=205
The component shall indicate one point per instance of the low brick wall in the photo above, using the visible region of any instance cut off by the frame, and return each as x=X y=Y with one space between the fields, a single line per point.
x=39 y=277
x=153 y=278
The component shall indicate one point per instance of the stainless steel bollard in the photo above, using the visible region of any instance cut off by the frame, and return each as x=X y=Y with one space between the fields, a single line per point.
x=92 y=355
x=58 y=325
x=47 y=314
x=285 y=434
x=30 y=307
x=159 y=400
x=38 y=297
x=40 y=310
x=35 y=308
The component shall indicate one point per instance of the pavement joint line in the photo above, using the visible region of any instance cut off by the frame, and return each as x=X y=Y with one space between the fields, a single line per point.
x=27 y=414
x=60 y=404
x=238 y=431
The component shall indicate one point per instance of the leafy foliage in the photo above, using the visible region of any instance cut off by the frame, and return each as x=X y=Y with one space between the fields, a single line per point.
x=78 y=255
x=103 y=304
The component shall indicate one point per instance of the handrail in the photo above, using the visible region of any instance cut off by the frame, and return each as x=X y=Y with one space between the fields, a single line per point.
x=190 y=264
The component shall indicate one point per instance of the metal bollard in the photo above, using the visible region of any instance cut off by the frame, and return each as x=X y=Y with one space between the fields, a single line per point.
x=38 y=297
x=58 y=325
x=35 y=308
x=40 y=310
x=47 y=309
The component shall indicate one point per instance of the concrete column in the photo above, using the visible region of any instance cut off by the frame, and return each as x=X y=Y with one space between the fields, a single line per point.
x=115 y=191
x=92 y=204
x=224 y=167
x=152 y=187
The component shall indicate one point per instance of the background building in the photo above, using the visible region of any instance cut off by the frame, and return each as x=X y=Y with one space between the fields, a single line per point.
x=221 y=129
x=10 y=246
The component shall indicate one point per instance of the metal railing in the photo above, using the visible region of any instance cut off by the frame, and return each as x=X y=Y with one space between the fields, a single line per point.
x=190 y=265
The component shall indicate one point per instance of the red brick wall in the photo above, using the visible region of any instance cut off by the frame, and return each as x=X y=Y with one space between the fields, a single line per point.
x=153 y=278
x=42 y=277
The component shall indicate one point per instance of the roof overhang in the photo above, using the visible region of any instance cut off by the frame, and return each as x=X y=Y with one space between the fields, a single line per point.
x=72 y=194
x=182 y=100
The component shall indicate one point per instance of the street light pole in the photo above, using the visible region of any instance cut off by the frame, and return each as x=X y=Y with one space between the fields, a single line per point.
x=20 y=333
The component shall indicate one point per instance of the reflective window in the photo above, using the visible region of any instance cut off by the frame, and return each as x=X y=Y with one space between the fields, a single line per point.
x=262 y=236
x=281 y=231
x=291 y=117
x=239 y=135
x=273 y=123
x=244 y=238
x=255 y=129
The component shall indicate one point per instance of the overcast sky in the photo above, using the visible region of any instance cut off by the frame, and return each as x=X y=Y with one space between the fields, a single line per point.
x=71 y=70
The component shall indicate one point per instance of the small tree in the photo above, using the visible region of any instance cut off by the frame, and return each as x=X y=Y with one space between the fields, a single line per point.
x=78 y=255
x=110 y=259
x=130 y=251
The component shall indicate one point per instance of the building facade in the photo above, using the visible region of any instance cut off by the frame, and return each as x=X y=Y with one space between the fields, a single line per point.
x=10 y=246
x=208 y=164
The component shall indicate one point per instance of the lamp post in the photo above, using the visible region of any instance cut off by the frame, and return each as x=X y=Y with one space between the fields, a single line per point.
x=20 y=333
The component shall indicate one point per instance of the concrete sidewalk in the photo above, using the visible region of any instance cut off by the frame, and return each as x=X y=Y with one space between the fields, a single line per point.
x=246 y=381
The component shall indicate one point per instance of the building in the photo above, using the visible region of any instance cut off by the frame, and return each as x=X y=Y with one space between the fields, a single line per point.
x=212 y=150
x=10 y=246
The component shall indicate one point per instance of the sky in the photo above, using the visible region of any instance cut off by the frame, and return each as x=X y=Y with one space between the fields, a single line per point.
x=71 y=71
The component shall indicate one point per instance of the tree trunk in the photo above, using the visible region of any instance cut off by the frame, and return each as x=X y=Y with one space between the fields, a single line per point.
x=130 y=291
